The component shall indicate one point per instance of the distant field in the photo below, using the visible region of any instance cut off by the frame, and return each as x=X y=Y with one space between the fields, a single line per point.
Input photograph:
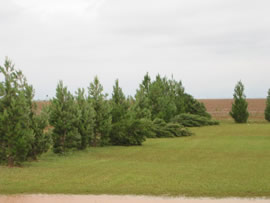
x=220 y=108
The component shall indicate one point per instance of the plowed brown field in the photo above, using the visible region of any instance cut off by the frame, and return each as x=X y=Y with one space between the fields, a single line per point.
x=220 y=108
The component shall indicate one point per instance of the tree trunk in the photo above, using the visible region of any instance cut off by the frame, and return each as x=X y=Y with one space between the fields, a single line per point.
x=10 y=161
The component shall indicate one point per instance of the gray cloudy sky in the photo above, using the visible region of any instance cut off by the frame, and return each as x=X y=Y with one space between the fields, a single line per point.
x=208 y=44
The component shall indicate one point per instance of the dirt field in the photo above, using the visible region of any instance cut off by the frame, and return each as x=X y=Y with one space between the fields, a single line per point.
x=220 y=108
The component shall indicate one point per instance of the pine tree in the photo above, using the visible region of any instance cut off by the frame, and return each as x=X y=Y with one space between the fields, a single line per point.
x=86 y=123
x=64 y=117
x=177 y=94
x=239 y=110
x=119 y=103
x=38 y=124
x=102 y=125
x=267 y=109
x=195 y=107
x=141 y=105
x=161 y=101
x=16 y=134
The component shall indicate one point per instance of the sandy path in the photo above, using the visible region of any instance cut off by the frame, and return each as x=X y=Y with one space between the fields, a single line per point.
x=116 y=199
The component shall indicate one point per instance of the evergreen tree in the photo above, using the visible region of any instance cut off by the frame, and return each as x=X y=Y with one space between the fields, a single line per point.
x=38 y=124
x=16 y=134
x=119 y=103
x=267 y=109
x=239 y=108
x=177 y=94
x=164 y=99
x=64 y=117
x=129 y=131
x=86 y=122
x=195 y=107
x=141 y=105
x=102 y=125
x=161 y=101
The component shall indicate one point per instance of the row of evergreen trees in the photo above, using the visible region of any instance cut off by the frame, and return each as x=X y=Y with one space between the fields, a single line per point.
x=239 y=111
x=22 y=132
x=89 y=118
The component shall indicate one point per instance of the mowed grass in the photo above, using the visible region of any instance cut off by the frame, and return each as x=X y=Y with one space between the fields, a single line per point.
x=219 y=161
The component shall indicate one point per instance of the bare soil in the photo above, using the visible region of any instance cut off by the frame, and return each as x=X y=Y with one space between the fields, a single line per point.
x=117 y=199
x=220 y=108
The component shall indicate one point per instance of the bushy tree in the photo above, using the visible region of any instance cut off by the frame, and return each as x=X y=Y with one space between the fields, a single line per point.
x=163 y=129
x=16 y=134
x=39 y=123
x=102 y=125
x=193 y=106
x=177 y=94
x=87 y=119
x=267 y=109
x=141 y=105
x=164 y=99
x=65 y=118
x=119 y=103
x=161 y=99
x=193 y=120
x=129 y=131
x=239 y=110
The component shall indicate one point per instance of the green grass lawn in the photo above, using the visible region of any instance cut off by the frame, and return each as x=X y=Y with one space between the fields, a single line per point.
x=219 y=161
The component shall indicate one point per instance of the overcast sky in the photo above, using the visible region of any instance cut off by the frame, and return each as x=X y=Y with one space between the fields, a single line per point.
x=208 y=44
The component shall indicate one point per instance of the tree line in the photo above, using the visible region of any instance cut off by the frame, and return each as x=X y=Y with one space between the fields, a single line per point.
x=160 y=108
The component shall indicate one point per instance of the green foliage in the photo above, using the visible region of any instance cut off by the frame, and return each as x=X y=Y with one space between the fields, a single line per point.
x=177 y=94
x=39 y=122
x=102 y=125
x=163 y=129
x=161 y=103
x=267 y=109
x=164 y=99
x=141 y=105
x=86 y=121
x=126 y=128
x=239 y=108
x=193 y=106
x=129 y=132
x=16 y=132
x=119 y=103
x=64 y=117
x=192 y=120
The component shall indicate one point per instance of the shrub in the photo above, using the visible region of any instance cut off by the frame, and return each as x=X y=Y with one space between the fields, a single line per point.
x=191 y=120
x=163 y=129
x=129 y=132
